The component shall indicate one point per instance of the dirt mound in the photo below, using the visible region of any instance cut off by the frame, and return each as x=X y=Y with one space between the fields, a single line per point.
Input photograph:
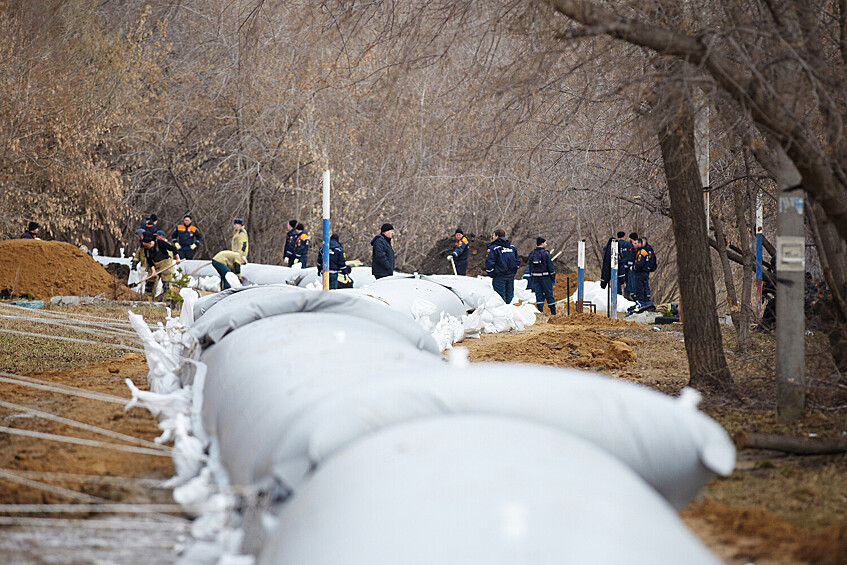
x=435 y=262
x=579 y=343
x=740 y=534
x=591 y=321
x=52 y=268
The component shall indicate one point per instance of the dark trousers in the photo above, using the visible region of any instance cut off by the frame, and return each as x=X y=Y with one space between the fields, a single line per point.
x=543 y=288
x=640 y=292
x=185 y=253
x=505 y=287
x=222 y=271
x=623 y=280
x=333 y=281
x=462 y=267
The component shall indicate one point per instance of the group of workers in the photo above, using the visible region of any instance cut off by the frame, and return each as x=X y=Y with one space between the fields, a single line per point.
x=636 y=260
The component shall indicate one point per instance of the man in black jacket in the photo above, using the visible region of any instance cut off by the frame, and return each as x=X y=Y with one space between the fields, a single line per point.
x=502 y=264
x=158 y=254
x=31 y=231
x=186 y=237
x=301 y=247
x=290 y=238
x=382 y=264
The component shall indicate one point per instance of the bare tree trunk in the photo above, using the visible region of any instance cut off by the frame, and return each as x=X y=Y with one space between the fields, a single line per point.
x=703 y=342
x=729 y=282
x=742 y=207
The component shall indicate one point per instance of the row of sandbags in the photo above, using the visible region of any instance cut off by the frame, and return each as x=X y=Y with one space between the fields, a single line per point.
x=378 y=451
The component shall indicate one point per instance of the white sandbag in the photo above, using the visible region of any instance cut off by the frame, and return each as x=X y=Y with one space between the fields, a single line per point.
x=400 y=294
x=599 y=297
x=667 y=441
x=257 y=273
x=265 y=377
x=473 y=291
x=483 y=490
x=196 y=268
x=258 y=294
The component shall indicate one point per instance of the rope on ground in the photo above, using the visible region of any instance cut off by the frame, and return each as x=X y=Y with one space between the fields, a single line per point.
x=73 y=339
x=32 y=382
x=87 y=442
x=72 y=494
x=82 y=425
x=99 y=329
x=122 y=524
x=114 y=507
x=86 y=479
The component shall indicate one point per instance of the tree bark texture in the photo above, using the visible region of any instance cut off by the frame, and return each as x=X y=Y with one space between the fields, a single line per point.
x=742 y=206
x=703 y=342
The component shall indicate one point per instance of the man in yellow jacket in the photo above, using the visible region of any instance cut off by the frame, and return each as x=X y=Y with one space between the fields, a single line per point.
x=240 y=241
x=228 y=262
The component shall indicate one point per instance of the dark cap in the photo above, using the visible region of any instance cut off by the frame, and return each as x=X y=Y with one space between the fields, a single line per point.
x=32 y=226
x=386 y=227
x=161 y=232
x=633 y=235
x=238 y=221
x=292 y=223
x=187 y=216
x=539 y=240
x=621 y=234
x=153 y=218
x=333 y=237
x=147 y=238
x=458 y=230
x=300 y=227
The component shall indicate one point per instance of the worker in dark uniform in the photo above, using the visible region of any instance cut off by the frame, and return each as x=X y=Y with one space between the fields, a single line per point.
x=640 y=274
x=290 y=238
x=460 y=254
x=151 y=224
x=501 y=265
x=542 y=276
x=382 y=263
x=158 y=254
x=186 y=237
x=624 y=249
x=301 y=247
x=606 y=268
x=31 y=231
x=337 y=261
x=630 y=285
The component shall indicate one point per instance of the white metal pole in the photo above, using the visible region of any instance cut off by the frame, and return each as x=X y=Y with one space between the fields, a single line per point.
x=325 y=263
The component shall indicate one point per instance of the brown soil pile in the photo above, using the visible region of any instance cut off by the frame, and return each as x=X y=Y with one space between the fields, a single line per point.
x=599 y=321
x=574 y=341
x=24 y=453
x=739 y=534
x=53 y=268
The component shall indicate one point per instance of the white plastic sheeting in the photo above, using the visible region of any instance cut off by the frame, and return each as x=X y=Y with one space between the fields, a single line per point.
x=600 y=297
x=472 y=489
x=400 y=293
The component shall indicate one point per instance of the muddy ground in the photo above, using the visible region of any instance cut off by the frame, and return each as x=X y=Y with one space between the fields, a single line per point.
x=773 y=509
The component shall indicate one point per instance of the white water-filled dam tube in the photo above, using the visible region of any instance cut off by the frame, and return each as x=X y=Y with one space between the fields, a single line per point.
x=289 y=385
x=345 y=366
x=477 y=490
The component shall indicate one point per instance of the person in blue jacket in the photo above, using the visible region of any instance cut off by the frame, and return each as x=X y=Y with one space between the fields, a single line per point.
x=624 y=251
x=640 y=274
x=337 y=261
x=301 y=247
x=382 y=264
x=501 y=265
x=290 y=238
x=630 y=284
x=186 y=237
x=460 y=253
x=542 y=275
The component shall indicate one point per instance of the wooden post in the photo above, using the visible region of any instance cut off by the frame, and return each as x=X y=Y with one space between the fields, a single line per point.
x=790 y=287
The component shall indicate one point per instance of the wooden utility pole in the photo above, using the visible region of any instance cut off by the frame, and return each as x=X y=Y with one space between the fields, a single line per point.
x=790 y=287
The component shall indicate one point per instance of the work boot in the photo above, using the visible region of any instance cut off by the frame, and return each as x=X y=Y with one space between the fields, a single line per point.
x=552 y=309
